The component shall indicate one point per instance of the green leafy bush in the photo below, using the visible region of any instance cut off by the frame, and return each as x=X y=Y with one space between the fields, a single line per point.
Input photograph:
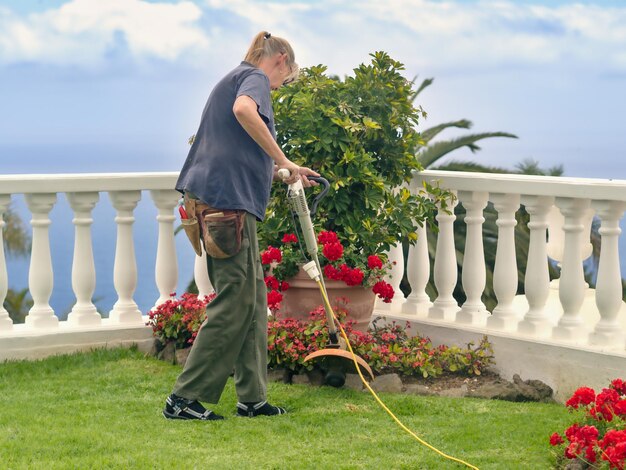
x=359 y=133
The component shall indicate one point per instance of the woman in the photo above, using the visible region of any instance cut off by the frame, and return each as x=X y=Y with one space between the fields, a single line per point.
x=230 y=167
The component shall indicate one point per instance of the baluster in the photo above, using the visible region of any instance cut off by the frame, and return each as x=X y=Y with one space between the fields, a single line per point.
x=166 y=270
x=537 y=277
x=608 y=331
x=418 y=272
x=572 y=284
x=201 y=275
x=445 y=306
x=396 y=257
x=125 y=270
x=473 y=311
x=504 y=316
x=5 y=320
x=40 y=275
x=84 y=311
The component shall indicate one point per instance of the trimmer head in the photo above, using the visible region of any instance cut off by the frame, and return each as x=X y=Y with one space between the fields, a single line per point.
x=336 y=363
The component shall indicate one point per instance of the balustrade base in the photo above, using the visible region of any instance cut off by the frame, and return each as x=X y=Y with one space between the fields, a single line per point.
x=24 y=342
x=84 y=316
x=443 y=310
x=416 y=308
x=503 y=320
x=610 y=339
x=44 y=319
x=531 y=358
x=472 y=315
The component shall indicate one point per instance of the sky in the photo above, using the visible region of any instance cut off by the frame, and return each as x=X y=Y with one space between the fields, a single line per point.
x=119 y=85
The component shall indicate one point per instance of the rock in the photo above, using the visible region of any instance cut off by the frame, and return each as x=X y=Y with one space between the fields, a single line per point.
x=417 y=389
x=156 y=347
x=316 y=377
x=500 y=390
x=168 y=353
x=459 y=392
x=275 y=375
x=353 y=382
x=300 y=379
x=387 y=383
x=533 y=390
x=181 y=356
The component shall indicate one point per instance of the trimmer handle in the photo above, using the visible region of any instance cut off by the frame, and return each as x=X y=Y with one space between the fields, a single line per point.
x=284 y=173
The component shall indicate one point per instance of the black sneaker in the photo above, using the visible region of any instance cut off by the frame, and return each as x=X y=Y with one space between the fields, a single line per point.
x=262 y=408
x=180 y=408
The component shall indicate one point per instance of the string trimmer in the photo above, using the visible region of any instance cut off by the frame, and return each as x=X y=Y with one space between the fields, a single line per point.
x=334 y=360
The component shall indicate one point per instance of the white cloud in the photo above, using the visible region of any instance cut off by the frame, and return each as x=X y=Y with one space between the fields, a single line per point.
x=83 y=31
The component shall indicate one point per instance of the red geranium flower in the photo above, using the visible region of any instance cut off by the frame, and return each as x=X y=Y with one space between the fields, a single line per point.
x=290 y=238
x=374 y=262
x=332 y=251
x=274 y=298
x=270 y=255
x=271 y=282
x=556 y=439
x=332 y=273
x=582 y=396
x=327 y=237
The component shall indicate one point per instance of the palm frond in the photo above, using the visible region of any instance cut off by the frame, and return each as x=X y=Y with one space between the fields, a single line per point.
x=459 y=165
x=431 y=132
x=425 y=83
x=430 y=154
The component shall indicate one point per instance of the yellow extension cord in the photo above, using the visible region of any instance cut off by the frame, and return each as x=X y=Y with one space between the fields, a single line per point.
x=380 y=402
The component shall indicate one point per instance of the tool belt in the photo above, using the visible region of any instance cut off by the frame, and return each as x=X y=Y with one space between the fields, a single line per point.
x=219 y=230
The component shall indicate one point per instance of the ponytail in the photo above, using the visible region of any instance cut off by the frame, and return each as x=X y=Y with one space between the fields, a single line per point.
x=265 y=45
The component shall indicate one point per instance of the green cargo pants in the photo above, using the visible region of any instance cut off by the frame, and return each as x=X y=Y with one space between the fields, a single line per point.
x=234 y=334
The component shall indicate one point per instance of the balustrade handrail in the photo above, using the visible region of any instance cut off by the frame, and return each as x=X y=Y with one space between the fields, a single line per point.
x=555 y=186
x=83 y=182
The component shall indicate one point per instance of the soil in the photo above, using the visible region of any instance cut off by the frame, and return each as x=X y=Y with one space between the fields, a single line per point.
x=449 y=381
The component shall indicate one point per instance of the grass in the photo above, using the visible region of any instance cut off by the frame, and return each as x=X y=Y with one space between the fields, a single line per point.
x=103 y=410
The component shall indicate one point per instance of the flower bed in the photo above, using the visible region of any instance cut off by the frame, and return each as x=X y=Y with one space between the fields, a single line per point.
x=387 y=349
x=597 y=439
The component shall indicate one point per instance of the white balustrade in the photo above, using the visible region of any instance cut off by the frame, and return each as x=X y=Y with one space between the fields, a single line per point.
x=40 y=276
x=166 y=269
x=572 y=282
x=505 y=317
x=445 y=306
x=125 y=269
x=5 y=319
x=84 y=311
x=201 y=275
x=473 y=311
x=394 y=277
x=418 y=273
x=537 y=277
x=608 y=331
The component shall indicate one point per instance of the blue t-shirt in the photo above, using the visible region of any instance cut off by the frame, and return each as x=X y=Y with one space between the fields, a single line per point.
x=225 y=167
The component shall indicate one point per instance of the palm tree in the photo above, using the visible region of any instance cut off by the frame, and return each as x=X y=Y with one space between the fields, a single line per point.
x=16 y=243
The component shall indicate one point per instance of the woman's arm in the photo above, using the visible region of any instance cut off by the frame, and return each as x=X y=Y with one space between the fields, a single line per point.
x=245 y=110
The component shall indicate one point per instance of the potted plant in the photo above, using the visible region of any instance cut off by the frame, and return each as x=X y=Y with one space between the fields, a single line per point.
x=359 y=133
x=347 y=276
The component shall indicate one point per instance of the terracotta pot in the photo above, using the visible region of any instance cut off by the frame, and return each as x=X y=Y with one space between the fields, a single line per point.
x=303 y=296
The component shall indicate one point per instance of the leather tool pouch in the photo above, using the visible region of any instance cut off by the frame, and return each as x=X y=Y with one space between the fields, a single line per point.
x=191 y=225
x=222 y=230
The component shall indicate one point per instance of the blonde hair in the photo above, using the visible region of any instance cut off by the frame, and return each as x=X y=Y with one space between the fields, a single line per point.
x=265 y=45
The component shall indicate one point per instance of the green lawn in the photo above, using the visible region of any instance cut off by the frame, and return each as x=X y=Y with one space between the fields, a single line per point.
x=103 y=410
